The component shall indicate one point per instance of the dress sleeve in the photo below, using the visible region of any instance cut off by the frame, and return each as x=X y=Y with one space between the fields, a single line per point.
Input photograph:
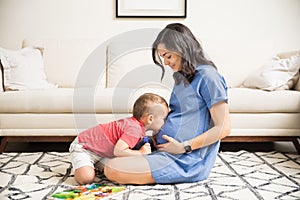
x=212 y=87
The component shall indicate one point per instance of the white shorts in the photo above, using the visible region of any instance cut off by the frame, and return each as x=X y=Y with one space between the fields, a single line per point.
x=81 y=157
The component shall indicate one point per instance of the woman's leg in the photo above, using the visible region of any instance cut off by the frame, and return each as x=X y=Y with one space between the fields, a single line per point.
x=129 y=170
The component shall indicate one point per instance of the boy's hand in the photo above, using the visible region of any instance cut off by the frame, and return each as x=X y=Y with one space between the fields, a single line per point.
x=145 y=149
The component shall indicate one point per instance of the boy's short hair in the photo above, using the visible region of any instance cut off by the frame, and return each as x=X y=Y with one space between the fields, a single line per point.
x=143 y=103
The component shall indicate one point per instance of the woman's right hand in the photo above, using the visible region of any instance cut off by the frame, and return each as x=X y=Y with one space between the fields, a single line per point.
x=172 y=146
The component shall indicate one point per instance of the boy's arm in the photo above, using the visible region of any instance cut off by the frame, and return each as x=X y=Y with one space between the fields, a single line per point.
x=122 y=149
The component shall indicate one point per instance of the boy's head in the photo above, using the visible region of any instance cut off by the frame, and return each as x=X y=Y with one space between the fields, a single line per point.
x=151 y=109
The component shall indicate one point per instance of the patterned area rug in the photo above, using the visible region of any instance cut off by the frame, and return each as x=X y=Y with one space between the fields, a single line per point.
x=236 y=175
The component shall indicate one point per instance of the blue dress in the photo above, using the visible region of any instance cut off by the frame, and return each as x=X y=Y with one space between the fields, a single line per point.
x=189 y=117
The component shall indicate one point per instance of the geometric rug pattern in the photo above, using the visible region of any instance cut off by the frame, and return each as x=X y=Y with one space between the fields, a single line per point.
x=235 y=175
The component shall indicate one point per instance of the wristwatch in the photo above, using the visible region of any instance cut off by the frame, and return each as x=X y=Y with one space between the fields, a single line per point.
x=187 y=147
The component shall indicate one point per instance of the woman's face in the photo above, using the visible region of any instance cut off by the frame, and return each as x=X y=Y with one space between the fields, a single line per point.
x=170 y=58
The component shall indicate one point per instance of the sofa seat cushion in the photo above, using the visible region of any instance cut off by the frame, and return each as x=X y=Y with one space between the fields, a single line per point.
x=67 y=100
x=245 y=100
x=55 y=100
x=120 y=100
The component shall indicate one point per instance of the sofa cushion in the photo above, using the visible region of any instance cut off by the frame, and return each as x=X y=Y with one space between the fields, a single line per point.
x=64 y=58
x=120 y=100
x=265 y=120
x=57 y=100
x=82 y=100
x=288 y=54
x=51 y=120
x=245 y=100
x=133 y=67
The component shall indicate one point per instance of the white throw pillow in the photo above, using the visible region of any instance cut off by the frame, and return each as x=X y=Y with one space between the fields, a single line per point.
x=277 y=74
x=24 y=69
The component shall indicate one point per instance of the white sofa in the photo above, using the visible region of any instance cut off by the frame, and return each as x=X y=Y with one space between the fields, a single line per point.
x=98 y=82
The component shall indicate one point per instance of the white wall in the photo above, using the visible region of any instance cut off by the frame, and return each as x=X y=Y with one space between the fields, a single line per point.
x=237 y=34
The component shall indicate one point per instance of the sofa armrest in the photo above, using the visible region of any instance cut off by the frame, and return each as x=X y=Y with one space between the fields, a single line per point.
x=1 y=77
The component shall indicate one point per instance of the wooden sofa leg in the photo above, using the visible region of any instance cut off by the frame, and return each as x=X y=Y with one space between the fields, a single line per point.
x=3 y=143
x=297 y=144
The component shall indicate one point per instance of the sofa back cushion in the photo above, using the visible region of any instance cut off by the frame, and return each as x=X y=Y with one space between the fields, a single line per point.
x=64 y=58
x=237 y=58
x=288 y=54
x=130 y=64
x=134 y=68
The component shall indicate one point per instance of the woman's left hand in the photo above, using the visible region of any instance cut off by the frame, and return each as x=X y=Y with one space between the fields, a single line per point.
x=172 y=146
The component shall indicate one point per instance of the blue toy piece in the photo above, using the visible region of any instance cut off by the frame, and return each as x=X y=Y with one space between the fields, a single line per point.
x=143 y=141
x=146 y=139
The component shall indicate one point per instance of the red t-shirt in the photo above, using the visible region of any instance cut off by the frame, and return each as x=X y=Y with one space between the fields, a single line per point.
x=102 y=138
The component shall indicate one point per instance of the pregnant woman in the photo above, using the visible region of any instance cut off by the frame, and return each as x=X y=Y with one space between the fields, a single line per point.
x=189 y=140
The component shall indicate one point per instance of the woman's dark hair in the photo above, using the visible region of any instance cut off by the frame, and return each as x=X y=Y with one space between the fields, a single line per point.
x=178 y=38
